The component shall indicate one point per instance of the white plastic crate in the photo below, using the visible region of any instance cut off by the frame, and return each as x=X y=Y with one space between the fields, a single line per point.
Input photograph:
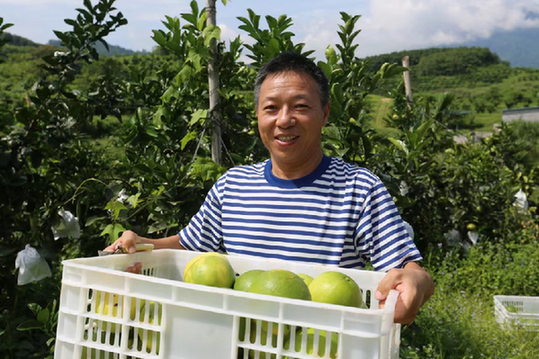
x=517 y=311
x=200 y=322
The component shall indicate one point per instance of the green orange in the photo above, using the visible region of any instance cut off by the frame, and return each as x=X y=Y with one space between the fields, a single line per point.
x=335 y=288
x=321 y=352
x=245 y=280
x=280 y=283
x=212 y=269
x=306 y=278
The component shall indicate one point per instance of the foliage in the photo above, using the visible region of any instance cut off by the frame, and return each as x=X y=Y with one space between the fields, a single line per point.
x=348 y=135
x=269 y=42
x=3 y=38
x=42 y=161
x=440 y=186
x=456 y=61
x=459 y=319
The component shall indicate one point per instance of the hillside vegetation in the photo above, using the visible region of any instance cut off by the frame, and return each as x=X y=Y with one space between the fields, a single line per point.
x=482 y=84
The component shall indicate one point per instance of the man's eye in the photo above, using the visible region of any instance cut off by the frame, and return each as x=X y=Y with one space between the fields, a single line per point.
x=301 y=105
x=270 y=107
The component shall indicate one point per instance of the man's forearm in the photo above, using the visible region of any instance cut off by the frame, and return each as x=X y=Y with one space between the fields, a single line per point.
x=172 y=242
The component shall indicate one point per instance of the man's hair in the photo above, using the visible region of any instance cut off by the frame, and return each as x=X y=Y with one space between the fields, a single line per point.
x=297 y=63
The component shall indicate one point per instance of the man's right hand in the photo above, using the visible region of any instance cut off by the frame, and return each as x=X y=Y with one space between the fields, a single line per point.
x=128 y=241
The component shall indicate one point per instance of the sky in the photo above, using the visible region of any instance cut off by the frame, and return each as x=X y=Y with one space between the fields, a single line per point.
x=387 y=25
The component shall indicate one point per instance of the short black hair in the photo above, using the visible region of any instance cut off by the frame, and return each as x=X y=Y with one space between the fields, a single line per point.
x=293 y=62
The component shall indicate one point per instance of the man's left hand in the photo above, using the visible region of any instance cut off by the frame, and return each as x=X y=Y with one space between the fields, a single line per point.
x=414 y=285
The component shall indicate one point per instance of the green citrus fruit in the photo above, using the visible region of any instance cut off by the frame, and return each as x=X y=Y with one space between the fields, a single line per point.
x=306 y=278
x=153 y=316
x=212 y=269
x=321 y=352
x=471 y=227
x=244 y=281
x=280 y=283
x=335 y=288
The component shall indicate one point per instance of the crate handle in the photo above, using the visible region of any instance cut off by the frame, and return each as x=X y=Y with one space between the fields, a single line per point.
x=391 y=300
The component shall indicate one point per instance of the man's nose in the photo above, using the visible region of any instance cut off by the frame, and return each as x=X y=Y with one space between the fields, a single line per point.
x=285 y=118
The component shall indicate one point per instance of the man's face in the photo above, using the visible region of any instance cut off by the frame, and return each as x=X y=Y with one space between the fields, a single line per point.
x=291 y=117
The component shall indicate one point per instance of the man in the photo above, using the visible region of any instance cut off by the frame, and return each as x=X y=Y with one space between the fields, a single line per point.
x=300 y=204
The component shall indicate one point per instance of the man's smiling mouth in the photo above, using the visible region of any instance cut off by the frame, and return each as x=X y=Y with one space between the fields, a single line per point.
x=286 y=138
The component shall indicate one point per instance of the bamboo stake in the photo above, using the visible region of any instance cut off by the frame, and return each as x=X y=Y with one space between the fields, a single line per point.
x=407 y=82
x=213 y=81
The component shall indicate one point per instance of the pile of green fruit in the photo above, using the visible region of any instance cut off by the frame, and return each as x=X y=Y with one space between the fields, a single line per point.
x=330 y=287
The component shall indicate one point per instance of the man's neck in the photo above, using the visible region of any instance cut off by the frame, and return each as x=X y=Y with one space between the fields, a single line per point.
x=292 y=171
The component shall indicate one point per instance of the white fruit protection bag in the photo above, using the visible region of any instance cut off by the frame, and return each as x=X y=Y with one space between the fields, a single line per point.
x=31 y=266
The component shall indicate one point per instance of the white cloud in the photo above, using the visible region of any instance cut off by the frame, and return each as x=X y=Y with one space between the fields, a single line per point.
x=393 y=25
x=404 y=24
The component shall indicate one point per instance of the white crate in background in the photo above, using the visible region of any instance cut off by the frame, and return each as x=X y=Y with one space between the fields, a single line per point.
x=201 y=322
x=517 y=311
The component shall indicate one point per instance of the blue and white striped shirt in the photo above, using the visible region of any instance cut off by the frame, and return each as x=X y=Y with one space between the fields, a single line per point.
x=339 y=215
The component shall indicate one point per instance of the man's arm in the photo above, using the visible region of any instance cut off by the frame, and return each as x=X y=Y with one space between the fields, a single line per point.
x=129 y=239
x=415 y=286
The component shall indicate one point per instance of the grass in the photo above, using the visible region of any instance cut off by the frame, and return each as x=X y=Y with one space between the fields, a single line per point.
x=458 y=321
x=486 y=121
x=456 y=325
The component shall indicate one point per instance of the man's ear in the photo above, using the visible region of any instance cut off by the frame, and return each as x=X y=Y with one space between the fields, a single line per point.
x=327 y=111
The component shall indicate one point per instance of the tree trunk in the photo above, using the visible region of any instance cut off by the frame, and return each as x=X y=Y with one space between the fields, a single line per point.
x=213 y=81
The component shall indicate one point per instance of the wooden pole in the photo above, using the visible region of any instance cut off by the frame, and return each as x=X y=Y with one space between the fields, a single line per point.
x=213 y=81
x=407 y=82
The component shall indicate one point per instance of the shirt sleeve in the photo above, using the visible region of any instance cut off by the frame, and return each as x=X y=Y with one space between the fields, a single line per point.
x=204 y=231
x=380 y=235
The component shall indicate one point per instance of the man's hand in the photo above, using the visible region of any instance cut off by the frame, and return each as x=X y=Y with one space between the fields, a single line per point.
x=414 y=285
x=128 y=241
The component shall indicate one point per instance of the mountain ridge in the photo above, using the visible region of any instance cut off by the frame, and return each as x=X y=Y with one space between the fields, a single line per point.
x=519 y=47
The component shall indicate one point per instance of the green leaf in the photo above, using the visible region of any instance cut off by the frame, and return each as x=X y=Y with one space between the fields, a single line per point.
x=158 y=116
x=171 y=92
x=62 y=36
x=115 y=207
x=391 y=70
x=134 y=200
x=113 y=231
x=326 y=68
x=198 y=116
x=29 y=325
x=421 y=130
x=191 y=135
x=336 y=91
x=398 y=144
x=273 y=47
x=5 y=26
x=201 y=22
x=43 y=316
x=71 y=22
x=331 y=55
x=211 y=32
x=105 y=44
x=88 y=5
x=160 y=38
x=185 y=73
x=152 y=132
x=93 y=219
